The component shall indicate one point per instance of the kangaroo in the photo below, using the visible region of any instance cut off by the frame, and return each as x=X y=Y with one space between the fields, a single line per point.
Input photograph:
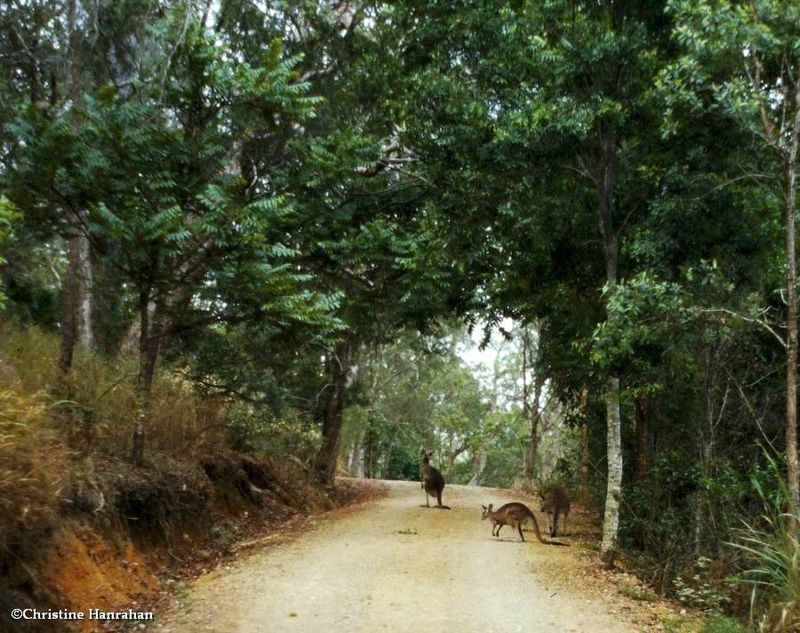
x=554 y=503
x=432 y=482
x=516 y=515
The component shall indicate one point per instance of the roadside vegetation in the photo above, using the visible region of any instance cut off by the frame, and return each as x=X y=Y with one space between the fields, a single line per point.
x=248 y=247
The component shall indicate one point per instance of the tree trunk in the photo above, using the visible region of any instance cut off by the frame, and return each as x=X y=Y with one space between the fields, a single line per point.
x=614 y=488
x=152 y=330
x=584 y=469
x=642 y=464
x=76 y=320
x=356 y=462
x=130 y=341
x=338 y=369
x=584 y=445
x=478 y=466
x=793 y=480
x=76 y=311
x=85 y=322
x=531 y=406
x=387 y=458
x=452 y=455
x=369 y=455
x=69 y=306
x=533 y=448
x=613 y=415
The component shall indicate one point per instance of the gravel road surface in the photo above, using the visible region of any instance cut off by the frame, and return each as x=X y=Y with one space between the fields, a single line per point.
x=395 y=566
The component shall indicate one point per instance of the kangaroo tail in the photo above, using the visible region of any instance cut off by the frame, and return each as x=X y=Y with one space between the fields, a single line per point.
x=539 y=534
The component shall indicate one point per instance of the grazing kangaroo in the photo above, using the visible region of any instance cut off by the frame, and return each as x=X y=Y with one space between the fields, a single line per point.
x=432 y=482
x=555 y=503
x=514 y=514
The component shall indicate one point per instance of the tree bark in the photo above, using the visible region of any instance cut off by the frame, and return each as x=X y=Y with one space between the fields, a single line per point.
x=356 y=462
x=584 y=468
x=530 y=406
x=76 y=320
x=150 y=337
x=452 y=455
x=793 y=479
x=69 y=306
x=642 y=464
x=76 y=310
x=532 y=449
x=478 y=466
x=614 y=488
x=784 y=136
x=613 y=415
x=584 y=445
x=370 y=454
x=387 y=458
x=338 y=369
x=85 y=321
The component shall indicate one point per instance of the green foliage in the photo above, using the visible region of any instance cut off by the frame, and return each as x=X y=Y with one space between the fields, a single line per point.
x=504 y=449
x=659 y=512
x=266 y=180
x=771 y=565
x=403 y=464
x=642 y=315
x=718 y=623
x=713 y=623
x=8 y=216
x=410 y=396
x=250 y=430
x=698 y=591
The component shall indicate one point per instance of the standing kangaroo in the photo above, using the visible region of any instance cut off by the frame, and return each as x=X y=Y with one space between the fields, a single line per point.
x=432 y=482
x=516 y=515
x=554 y=503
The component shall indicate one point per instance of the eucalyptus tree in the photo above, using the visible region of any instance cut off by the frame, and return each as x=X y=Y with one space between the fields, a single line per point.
x=742 y=60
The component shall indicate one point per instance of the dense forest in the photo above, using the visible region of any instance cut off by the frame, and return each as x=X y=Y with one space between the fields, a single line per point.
x=282 y=227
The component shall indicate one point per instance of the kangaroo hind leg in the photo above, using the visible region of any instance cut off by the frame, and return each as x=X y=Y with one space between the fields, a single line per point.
x=427 y=503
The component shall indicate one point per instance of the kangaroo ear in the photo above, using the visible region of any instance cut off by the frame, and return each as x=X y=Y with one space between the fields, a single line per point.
x=490 y=507
x=483 y=506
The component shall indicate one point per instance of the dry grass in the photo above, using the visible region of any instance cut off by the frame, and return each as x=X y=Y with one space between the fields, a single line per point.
x=32 y=472
x=96 y=405
x=77 y=519
x=49 y=429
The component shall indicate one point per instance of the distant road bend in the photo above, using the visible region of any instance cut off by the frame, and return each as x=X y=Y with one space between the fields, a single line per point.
x=394 y=566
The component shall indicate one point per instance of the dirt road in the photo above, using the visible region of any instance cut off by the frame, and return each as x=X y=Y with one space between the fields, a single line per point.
x=394 y=566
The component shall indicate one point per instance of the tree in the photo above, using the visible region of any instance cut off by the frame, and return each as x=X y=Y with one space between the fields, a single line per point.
x=410 y=395
x=64 y=49
x=154 y=165
x=361 y=226
x=742 y=58
x=528 y=138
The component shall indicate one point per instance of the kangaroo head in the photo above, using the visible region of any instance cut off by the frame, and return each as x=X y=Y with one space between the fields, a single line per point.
x=486 y=511
x=544 y=504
